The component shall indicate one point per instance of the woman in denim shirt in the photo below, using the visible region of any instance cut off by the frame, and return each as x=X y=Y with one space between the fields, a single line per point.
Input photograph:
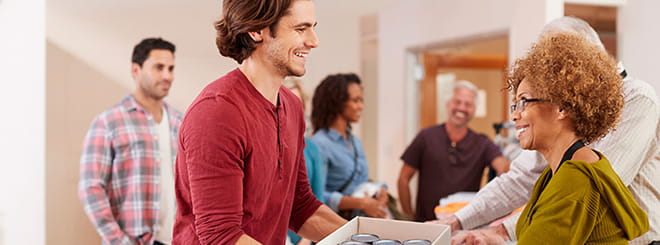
x=336 y=104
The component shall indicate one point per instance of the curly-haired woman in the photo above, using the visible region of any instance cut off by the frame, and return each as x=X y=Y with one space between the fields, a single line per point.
x=568 y=94
x=337 y=103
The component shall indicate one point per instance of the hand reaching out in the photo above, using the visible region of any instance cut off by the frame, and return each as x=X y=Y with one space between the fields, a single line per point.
x=491 y=235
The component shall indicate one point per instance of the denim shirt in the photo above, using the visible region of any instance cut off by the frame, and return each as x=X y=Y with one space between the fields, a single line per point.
x=339 y=153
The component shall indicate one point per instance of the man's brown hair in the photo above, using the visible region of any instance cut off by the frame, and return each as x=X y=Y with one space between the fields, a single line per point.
x=242 y=16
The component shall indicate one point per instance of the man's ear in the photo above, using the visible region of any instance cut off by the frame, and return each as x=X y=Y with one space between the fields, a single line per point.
x=257 y=36
x=135 y=69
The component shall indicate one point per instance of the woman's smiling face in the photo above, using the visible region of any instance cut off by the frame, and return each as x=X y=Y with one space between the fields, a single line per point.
x=536 y=121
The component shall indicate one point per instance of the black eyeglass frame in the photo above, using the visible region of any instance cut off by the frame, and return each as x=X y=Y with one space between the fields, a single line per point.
x=520 y=104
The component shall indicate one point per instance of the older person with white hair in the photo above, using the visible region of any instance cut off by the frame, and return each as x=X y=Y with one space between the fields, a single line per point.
x=632 y=149
x=449 y=157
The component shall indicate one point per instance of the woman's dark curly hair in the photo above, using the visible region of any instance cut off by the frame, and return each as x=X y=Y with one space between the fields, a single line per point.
x=330 y=98
x=242 y=16
x=577 y=76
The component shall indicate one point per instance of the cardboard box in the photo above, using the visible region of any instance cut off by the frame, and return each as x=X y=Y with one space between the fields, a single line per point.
x=390 y=229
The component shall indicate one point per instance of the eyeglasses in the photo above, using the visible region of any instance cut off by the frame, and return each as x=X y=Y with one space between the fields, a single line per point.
x=520 y=105
x=453 y=154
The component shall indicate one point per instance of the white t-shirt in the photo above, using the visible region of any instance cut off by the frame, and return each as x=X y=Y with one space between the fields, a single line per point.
x=167 y=211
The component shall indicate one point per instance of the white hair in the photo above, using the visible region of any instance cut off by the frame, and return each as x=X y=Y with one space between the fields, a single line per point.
x=573 y=25
x=468 y=85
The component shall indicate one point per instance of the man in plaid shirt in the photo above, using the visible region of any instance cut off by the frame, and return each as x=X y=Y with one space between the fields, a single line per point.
x=126 y=169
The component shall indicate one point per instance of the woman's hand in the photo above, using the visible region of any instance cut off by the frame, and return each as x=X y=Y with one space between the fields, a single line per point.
x=375 y=207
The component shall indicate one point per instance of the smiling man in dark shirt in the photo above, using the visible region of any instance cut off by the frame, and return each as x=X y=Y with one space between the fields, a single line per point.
x=449 y=157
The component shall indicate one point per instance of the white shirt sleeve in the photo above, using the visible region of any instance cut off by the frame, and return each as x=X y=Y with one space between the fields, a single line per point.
x=630 y=145
x=505 y=193
x=510 y=226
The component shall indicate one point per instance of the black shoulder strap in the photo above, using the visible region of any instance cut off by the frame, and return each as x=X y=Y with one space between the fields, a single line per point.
x=571 y=150
x=355 y=166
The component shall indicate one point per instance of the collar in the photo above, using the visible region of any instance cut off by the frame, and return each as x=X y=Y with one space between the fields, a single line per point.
x=335 y=135
x=131 y=104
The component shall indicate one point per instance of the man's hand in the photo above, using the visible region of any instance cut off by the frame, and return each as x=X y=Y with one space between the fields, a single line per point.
x=450 y=220
x=491 y=235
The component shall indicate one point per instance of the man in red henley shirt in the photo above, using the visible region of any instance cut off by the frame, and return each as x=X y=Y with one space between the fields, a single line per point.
x=240 y=171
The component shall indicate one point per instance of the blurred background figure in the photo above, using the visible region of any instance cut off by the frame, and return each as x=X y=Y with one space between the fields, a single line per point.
x=449 y=157
x=127 y=167
x=337 y=103
x=316 y=167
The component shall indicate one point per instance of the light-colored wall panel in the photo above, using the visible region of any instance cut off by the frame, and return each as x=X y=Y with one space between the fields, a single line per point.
x=75 y=93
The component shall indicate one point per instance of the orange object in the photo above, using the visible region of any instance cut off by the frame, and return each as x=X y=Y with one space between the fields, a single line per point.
x=450 y=208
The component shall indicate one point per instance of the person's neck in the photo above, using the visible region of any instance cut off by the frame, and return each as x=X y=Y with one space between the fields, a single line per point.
x=559 y=144
x=263 y=77
x=152 y=105
x=341 y=126
x=455 y=133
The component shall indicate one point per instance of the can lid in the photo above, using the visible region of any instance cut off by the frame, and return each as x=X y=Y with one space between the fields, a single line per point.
x=387 y=242
x=364 y=237
x=353 y=243
x=417 y=242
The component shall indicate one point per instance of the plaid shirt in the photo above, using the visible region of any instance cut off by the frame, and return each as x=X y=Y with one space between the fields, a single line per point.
x=119 y=172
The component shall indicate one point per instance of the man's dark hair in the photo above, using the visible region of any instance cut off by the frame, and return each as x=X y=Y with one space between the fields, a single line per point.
x=141 y=50
x=330 y=98
x=242 y=16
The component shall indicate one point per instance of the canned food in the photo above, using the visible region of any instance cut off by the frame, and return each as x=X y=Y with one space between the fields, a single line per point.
x=364 y=237
x=417 y=242
x=387 y=242
x=353 y=243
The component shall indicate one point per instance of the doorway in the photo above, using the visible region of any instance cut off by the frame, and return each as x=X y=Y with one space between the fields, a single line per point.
x=482 y=62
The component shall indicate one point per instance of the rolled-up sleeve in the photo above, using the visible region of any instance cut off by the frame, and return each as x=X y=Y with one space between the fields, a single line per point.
x=332 y=199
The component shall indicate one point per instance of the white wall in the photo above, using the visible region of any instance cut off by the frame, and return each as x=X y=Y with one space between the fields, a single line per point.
x=639 y=40
x=22 y=102
x=103 y=34
x=528 y=20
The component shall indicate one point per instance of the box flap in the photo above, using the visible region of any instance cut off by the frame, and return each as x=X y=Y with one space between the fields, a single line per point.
x=403 y=230
x=390 y=229
x=344 y=233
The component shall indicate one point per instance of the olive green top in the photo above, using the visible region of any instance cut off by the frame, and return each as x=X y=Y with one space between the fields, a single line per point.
x=582 y=203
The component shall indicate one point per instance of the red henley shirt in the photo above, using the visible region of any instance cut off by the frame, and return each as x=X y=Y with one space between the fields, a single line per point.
x=240 y=167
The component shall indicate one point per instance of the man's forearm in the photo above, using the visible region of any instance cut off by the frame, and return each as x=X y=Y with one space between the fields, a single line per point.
x=99 y=212
x=404 y=198
x=505 y=193
x=349 y=202
x=323 y=222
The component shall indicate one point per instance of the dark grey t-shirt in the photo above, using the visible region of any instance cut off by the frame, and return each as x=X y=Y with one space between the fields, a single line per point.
x=429 y=154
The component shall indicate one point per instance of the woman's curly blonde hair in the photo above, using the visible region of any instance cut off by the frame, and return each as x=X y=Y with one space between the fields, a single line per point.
x=577 y=76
